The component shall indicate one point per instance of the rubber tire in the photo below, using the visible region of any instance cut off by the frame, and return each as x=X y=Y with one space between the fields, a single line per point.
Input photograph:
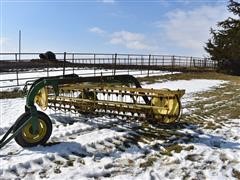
x=25 y=116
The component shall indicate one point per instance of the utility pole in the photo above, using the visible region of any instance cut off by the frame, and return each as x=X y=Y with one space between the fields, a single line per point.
x=19 y=45
x=19 y=52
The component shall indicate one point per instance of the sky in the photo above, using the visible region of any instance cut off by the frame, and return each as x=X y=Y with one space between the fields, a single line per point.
x=173 y=27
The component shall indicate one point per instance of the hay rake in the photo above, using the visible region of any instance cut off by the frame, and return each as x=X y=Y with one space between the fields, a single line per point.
x=119 y=96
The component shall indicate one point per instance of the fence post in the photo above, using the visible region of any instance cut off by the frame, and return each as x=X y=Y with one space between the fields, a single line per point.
x=48 y=71
x=64 y=62
x=94 y=61
x=149 y=59
x=190 y=62
x=73 y=62
x=173 y=62
x=115 y=63
x=17 y=69
x=205 y=62
x=163 y=61
x=128 y=62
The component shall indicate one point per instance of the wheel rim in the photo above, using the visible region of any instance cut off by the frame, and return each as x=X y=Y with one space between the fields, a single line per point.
x=42 y=98
x=33 y=138
x=171 y=111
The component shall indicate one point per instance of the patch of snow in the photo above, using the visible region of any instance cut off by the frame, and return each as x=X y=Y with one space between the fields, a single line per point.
x=191 y=86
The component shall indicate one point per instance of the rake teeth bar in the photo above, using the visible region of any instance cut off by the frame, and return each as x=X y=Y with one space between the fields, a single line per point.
x=163 y=106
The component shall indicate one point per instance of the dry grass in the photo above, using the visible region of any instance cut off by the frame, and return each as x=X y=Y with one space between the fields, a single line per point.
x=236 y=173
x=11 y=94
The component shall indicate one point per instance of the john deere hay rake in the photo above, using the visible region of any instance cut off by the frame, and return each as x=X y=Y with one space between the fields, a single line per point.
x=118 y=96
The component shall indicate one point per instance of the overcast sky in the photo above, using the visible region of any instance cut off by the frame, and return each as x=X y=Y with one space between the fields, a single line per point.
x=176 y=27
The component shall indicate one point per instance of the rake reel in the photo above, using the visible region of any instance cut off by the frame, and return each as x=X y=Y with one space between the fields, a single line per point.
x=118 y=96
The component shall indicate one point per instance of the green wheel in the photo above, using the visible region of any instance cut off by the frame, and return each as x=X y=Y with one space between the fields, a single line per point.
x=26 y=138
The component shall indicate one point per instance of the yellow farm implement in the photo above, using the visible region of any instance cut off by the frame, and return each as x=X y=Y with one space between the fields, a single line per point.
x=118 y=96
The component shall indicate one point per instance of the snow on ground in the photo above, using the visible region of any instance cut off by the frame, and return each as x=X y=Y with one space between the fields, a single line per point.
x=100 y=147
x=191 y=86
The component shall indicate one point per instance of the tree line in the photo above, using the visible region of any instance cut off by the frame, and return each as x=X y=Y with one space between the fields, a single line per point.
x=224 y=44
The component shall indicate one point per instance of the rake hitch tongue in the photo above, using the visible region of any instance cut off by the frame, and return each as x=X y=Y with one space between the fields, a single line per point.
x=119 y=96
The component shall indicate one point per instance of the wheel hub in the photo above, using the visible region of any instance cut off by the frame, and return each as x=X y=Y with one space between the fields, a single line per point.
x=31 y=137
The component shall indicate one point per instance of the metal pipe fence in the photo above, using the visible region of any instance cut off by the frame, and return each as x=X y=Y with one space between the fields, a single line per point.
x=20 y=68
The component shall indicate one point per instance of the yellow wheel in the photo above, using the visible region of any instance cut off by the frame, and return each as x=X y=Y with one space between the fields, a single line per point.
x=26 y=137
x=41 y=99
x=166 y=110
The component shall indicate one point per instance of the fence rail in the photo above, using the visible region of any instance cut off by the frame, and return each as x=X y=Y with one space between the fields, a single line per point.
x=116 y=59
x=18 y=68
